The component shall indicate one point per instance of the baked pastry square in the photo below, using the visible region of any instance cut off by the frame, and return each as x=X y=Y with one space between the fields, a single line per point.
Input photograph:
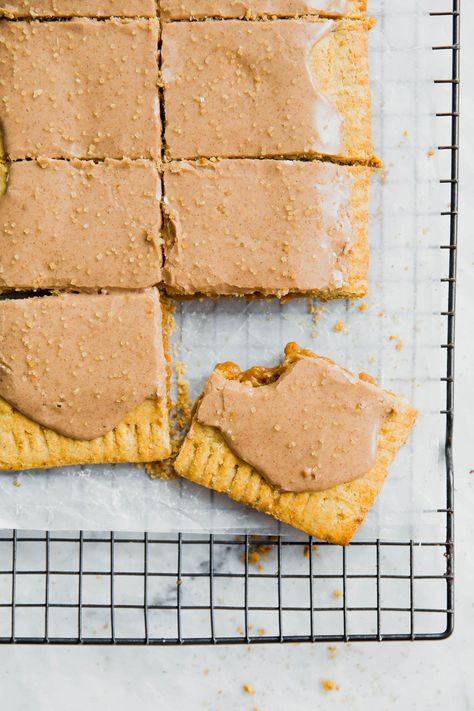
x=71 y=8
x=83 y=380
x=279 y=88
x=80 y=89
x=266 y=227
x=319 y=440
x=80 y=224
x=200 y=9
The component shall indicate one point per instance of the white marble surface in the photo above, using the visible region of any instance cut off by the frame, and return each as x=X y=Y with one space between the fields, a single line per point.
x=389 y=676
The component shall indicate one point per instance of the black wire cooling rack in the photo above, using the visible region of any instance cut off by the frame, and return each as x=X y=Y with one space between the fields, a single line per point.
x=84 y=588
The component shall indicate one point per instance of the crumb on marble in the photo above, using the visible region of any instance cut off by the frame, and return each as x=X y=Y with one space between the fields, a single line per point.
x=256 y=553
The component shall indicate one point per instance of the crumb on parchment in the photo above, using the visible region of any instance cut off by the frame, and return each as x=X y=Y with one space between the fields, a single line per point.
x=337 y=594
x=248 y=688
x=16 y=483
x=314 y=548
x=315 y=312
x=332 y=652
x=180 y=415
x=339 y=326
x=398 y=342
x=327 y=684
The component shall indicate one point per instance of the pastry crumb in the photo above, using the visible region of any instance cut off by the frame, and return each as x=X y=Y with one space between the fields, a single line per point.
x=248 y=688
x=362 y=307
x=339 y=327
x=332 y=652
x=306 y=550
x=16 y=483
x=180 y=414
x=255 y=554
x=337 y=594
x=327 y=684
x=398 y=342
x=315 y=312
x=262 y=631
x=430 y=153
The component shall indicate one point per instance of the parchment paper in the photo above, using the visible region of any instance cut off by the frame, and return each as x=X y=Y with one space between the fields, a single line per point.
x=397 y=339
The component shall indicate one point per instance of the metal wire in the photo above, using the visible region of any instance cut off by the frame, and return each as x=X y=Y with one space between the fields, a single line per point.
x=143 y=589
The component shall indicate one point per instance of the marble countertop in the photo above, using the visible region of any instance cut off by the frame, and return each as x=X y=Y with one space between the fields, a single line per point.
x=435 y=675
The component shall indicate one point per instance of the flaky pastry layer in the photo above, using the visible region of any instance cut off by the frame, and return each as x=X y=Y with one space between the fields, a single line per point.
x=143 y=436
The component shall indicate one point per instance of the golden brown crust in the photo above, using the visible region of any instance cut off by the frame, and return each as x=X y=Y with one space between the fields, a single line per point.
x=333 y=515
x=358 y=280
x=142 y=436
x=341 y=70
x=357 y=7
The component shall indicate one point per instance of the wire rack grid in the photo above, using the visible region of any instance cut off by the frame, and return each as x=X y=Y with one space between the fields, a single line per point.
x=86 y=588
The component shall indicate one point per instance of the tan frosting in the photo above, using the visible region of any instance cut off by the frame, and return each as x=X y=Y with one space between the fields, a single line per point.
x=182 y=9
x=80 y=89
x=79 y=363
x=74 y=8
x=267 y=226
x=313 y=428
x=80 y=224
x=239 y=88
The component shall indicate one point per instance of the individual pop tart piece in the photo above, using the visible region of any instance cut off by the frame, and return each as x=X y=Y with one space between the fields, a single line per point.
x=306 y=442
x=80 y=225
x=279 y=88
x=266 y=227
x=83 y=380
x=80 y=89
